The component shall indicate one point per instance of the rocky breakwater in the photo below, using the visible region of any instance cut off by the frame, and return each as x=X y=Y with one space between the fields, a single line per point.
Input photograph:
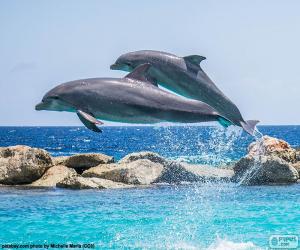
x=269 y=161
x=23 y=166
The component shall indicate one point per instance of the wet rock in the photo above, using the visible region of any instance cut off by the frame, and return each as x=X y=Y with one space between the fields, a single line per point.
x=151 y=156
x=79 y=182
x=103 y=183
x=178 y=172
x=297 y=167
x=22 y=164
x=297 y=154
x=53 y=175
x=258 y=170
x=139 y=172
x=145 y=172
x=81 y=162
x=272 y=146
x=59 y=160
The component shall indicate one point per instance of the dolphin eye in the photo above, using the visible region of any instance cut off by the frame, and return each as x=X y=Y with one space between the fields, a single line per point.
x=54 y=97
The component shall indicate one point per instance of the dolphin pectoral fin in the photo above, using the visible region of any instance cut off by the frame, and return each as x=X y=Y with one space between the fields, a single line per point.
x=89 y=121
x=249 y=126
x=141 y=73
x=194 y=59
x=225 y=123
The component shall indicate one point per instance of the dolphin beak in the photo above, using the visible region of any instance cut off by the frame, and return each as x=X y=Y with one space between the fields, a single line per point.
x=114 y=66
x=40 y=106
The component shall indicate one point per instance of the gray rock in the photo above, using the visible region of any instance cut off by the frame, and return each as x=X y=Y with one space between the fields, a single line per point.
x=154 y=157
x=145 y=172
x=297 y=154
x=59 y=160
x=142 y=172
x=79 y=182
x=81 y=162
x=103 y=183
x=297 y=167
x=22 y=164
x=53 y=175
x=178 y=172
x=262 y=169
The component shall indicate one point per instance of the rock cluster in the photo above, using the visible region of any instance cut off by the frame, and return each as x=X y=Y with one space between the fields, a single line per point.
x=269 y=161
x=36 y=168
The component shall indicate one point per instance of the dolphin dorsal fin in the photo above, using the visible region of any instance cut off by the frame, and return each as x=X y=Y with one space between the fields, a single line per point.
x=141 y=73
x=194 y=59
x=193 y=63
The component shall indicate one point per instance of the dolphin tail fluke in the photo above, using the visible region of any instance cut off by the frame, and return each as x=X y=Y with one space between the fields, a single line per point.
x=249 y=126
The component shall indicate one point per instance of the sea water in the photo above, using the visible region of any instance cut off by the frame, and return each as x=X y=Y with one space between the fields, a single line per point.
x=194 y=216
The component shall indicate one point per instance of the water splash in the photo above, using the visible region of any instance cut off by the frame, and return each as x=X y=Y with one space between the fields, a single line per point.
x=254 y=169
x=221 y=144
x=257 y=134
x=249 y=174
x=211 y=145
x=223 y=244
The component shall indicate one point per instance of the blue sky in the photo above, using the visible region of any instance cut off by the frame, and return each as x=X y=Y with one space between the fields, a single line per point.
x=252 y=50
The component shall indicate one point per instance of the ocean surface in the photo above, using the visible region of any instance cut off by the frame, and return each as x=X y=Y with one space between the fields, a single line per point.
x=202 y=216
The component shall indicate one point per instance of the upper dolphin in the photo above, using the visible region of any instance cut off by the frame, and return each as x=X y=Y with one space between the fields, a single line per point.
x=184 y=76
x=132 y=99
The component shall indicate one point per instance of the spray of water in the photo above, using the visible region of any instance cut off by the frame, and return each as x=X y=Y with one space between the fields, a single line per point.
x=221 y=144
x=251 y=172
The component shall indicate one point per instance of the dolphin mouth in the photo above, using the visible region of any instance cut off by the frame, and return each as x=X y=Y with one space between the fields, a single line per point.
x=40 y=106
x=115 y=66
x=123 y=67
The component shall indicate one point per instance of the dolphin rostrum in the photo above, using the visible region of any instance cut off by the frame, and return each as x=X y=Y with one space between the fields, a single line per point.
x=132 y=99
x=184 y=76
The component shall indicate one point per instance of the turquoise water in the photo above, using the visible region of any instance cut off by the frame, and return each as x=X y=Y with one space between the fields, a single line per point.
x=206 y=216
x=166 y=217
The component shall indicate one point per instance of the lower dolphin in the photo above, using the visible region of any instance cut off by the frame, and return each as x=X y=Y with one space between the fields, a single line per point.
x=132 y=99
x=184 y=76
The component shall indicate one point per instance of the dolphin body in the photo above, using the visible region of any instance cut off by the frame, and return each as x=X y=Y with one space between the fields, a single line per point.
x=132 y=99
x=184 y=76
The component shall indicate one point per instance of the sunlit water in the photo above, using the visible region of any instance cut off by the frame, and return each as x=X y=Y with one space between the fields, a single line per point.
x=204 y=216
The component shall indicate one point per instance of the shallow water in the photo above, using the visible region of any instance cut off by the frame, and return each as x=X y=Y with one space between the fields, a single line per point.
x=166 y=217
x=207 y=216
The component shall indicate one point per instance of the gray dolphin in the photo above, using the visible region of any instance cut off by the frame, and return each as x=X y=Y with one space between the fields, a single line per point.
x=184 y=76
x=132 y=99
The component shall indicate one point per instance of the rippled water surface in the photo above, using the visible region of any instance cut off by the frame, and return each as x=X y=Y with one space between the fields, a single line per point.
x=202 y=216
x=197 y=144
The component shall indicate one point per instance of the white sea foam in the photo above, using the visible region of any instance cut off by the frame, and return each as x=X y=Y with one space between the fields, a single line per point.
x=223 y=244
x=219 y=244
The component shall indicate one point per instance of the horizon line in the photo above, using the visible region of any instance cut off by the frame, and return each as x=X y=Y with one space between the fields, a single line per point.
x=141 y=125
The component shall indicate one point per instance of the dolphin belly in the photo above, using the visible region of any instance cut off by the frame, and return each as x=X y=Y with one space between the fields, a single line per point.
x=142 y=114
x=142 y=111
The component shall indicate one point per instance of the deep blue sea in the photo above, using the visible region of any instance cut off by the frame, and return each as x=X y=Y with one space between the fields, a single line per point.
x=203 y=216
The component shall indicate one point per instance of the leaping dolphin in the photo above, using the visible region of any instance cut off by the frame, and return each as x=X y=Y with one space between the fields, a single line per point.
x=132 y=99
x=184 y=76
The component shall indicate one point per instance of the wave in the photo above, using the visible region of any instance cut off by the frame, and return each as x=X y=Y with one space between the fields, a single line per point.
x=223 y=244
x=219 y=244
